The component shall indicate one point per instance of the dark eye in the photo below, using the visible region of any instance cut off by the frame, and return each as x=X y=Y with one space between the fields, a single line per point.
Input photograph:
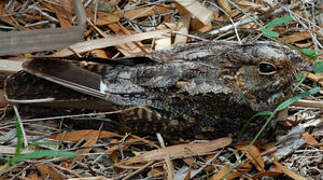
x=266 y=68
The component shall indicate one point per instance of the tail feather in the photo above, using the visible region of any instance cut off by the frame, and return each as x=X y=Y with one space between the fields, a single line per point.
x=65 y=74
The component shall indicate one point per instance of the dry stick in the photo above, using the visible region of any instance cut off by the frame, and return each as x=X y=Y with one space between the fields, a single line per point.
x=309 y=103
x=189 y=35
x=298 y=19
x=206 y=164
x=229 y=17
x=170 y=165
x=21 y=126
x=138 y=170
x=73 y=116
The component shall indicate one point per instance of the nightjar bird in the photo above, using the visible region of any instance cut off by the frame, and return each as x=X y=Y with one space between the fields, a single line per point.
x=199 y=90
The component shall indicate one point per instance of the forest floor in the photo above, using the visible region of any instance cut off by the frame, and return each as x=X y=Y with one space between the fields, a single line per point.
x=40 y=143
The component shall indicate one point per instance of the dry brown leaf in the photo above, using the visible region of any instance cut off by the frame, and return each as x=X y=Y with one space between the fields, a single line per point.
x=310 y=140
x=316 y=77
x=224 y=4
x=60 y=13
x=180 y=151
x=80 y=134
x=100 y=54
x=251 y=6
x=287 y=171
x=114 y=156
x=210 y=167
x=3 y=101
x=189 y=161
x=1 y=7
x=46 y=171
x=222 y=172
x=90 y=141
x=131 y=48
x=104 y=19
x=154 y=171
x=203 y=29
x=246 y=167
x=253 y=155
x=304 y=45
x=132 y=139
x=297 y=36
x=33 y=176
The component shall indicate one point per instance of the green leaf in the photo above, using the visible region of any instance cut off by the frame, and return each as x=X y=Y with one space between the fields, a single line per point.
x=44 y=154
x=318 y=68
x=300 y=76
x=290 y=101
x=19 y=137
x=275 y=22
x=269 y=33
x=262 y=113
x=309 y=53
x=245 y=126
x=43 y=143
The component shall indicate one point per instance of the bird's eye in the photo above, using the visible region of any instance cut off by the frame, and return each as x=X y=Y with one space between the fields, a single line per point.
x=266 y=68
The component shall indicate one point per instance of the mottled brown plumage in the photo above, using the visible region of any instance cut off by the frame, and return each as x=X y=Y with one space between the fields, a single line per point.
x=198 y=90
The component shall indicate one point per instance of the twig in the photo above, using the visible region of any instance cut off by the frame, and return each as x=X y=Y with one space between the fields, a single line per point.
x=309 y=103
x=206 y=164
x=138 y=170
x=309 y=30
x=170 y=165
x=229 y=17
x=189 y=35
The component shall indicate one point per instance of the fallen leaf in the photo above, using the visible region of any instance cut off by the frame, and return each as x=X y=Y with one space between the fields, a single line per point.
x=180 y=151
x=46 y=171
x=310 y=140
x=295 y=37
x=219 y=175
x=80 y=134
x=253 y=155
x=287 y=171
